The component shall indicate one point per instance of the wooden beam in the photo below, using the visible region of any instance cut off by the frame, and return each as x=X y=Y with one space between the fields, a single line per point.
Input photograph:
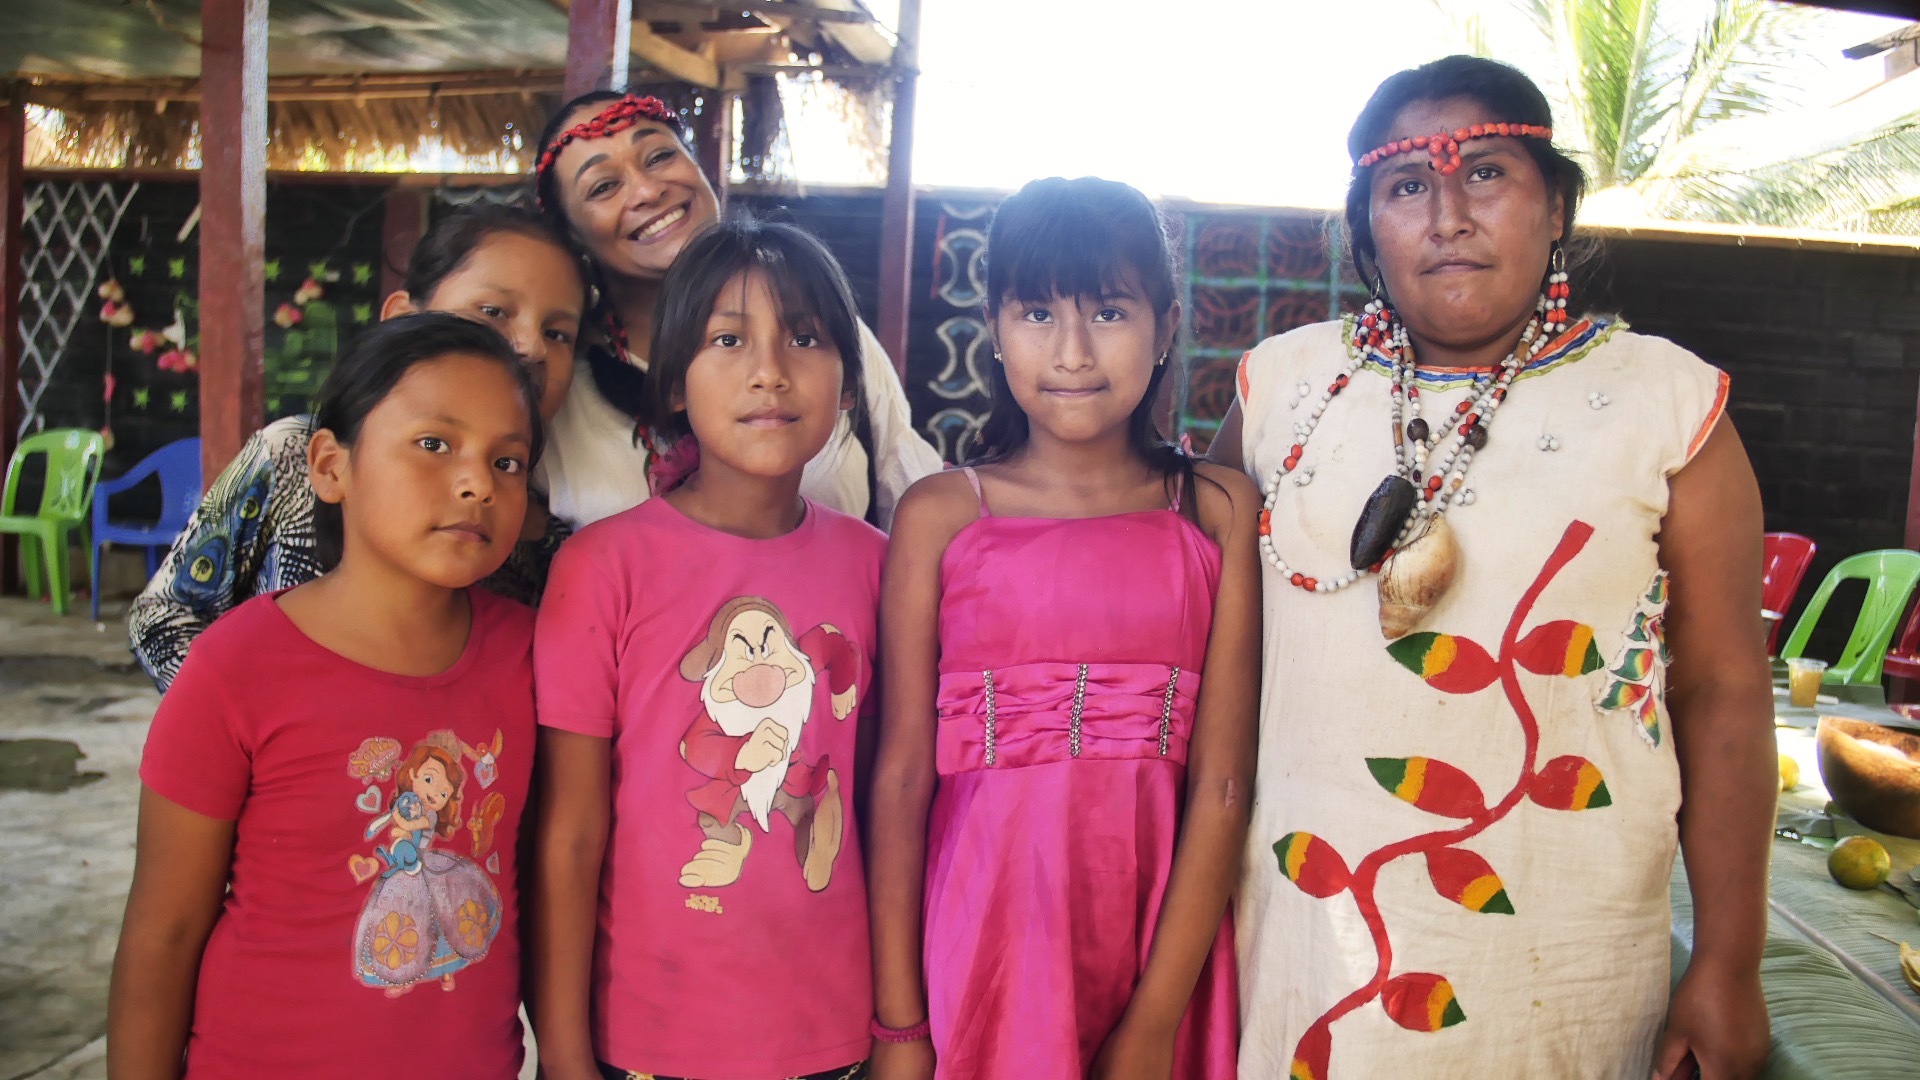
x=405 y=223
x=896 y=207
x=714 y=141
x=233 y=200
x=597 y=44
x=671 y=59
x=778 y=9
x=301 y=88
x=13 y=171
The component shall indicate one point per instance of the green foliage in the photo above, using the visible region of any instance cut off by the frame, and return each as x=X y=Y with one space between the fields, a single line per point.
x=1698 y=110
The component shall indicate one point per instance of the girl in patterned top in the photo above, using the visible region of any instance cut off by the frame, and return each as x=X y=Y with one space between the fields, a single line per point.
x=254 y=532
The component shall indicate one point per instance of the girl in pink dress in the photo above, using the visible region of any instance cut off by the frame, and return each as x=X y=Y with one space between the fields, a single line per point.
x=1060 y=793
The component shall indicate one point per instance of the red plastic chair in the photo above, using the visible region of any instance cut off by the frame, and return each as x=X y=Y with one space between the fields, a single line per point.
x=1902 y=669
x=1787 y=557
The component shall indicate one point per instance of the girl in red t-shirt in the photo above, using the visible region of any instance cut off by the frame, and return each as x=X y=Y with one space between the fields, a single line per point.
x=702 y=663
x=334 y=783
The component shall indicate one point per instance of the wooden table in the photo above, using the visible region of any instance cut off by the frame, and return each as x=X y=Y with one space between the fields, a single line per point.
x=1801 y=892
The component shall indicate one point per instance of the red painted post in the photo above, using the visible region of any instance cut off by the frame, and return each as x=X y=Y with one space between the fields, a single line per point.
x=13 y=184
x=405 y=224
x=599 y=43
x=896 y=207
x=233 y=217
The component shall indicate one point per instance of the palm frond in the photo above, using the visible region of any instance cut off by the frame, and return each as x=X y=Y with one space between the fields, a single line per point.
x=1612 y=66
x=1856 y=187
x=1743 y=63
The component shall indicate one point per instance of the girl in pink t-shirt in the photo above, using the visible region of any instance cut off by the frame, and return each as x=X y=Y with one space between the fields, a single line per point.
x=325 y=868
x=702 y=663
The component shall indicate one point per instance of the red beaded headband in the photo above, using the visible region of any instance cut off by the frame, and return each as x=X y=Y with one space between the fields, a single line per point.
x=1444 y=148
x=618 y=116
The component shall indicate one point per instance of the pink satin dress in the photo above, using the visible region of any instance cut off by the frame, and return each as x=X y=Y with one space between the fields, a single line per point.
x=1071 y=653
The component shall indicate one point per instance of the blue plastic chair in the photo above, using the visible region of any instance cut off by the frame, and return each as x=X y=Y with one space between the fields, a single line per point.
x=178 y=466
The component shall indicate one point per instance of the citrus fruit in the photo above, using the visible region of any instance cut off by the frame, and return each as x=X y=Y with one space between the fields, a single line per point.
x=1789 y=773
x=1859 y=862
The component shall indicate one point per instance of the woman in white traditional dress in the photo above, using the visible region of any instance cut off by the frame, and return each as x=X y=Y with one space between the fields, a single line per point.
x=1500 y=688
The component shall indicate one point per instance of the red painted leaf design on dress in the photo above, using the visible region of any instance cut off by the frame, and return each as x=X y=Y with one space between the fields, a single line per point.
x=1563 y=647
x=1312 y=864
x=1466 y=879
x=1433 y=786
x=1569 y=783
x=1449 y=664
x=1310 y=1055
x=1421 y=1002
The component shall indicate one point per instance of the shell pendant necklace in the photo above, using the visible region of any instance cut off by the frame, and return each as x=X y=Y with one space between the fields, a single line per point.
x=1402 y=534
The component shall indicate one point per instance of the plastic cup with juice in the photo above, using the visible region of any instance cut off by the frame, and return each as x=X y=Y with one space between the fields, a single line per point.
x=1803 y=681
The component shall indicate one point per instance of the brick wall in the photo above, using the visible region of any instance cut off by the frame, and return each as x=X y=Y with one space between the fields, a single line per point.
x=334 y=225
x=1823 y=348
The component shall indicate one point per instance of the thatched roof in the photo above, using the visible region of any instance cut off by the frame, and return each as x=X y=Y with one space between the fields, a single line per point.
x=430 y=85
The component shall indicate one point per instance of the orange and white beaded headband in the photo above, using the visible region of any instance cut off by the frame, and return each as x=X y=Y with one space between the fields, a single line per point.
x=1443 y=148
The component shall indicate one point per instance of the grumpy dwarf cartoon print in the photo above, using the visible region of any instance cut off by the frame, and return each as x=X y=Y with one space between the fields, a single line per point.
x=757 y=691
x=430 y=911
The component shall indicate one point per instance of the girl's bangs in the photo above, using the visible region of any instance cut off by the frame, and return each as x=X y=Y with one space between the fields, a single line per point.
x=1059 y=256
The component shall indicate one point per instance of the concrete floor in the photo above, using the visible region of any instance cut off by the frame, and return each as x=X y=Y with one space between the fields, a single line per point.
x=74 y=711
x=66 y=855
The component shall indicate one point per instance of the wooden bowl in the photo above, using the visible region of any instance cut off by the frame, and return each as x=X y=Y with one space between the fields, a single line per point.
x=1873 y=772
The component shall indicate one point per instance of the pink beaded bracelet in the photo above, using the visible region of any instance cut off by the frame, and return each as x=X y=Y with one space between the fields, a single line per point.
x=901 y=1035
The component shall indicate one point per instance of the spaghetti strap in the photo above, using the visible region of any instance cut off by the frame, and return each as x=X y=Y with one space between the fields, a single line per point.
x=1179 y=488
x=974 y=479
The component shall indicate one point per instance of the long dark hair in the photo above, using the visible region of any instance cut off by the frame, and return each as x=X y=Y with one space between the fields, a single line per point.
x=375 y=363
x=453 y=239
x=1508 y=96
x=805 y=279
x=1083 y=238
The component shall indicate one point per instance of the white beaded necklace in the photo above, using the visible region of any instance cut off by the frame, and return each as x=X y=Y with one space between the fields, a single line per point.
x=1460 y=436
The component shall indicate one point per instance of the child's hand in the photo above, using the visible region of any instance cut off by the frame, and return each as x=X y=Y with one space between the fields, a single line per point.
x=1133 y=1054
x=1716 y=1028
x=766 y=745
x=901 y=1061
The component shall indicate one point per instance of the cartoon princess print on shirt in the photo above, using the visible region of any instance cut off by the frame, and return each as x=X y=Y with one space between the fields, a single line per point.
x=430 y=911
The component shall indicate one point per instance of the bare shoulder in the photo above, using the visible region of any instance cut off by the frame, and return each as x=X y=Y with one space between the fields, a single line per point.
x=1228 y=500
x=933 y=509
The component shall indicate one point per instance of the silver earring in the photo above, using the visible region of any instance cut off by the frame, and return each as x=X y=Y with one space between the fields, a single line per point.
x=1163 y=358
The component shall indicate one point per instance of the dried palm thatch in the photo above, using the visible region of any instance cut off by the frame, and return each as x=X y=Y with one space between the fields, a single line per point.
x=475 y=123
x=337 y=132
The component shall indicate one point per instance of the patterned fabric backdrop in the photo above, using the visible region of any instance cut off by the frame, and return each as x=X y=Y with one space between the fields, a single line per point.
x=1251 y=275
x=953 y=305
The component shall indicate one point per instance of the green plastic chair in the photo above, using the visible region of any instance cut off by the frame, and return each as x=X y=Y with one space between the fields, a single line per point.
x=73 y=466
x=1890 y=576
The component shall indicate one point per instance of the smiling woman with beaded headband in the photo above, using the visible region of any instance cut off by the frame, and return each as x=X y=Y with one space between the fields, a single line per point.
x=616 y=175
x=1491 y=525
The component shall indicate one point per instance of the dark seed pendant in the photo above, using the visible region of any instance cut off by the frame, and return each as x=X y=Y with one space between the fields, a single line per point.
x=1477 y=436
x=1381 y=520
x=1417 y=431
